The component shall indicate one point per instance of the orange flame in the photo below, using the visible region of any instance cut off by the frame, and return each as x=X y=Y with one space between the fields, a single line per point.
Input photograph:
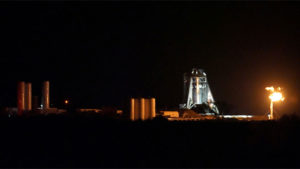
x=275 y=95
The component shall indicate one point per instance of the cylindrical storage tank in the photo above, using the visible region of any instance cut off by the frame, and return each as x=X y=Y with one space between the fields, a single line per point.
x=28 y=94
x=132 y=109
x=147 y=103
x=21 y=97
x=142 y=111
x=153 y=108
x=46 y=95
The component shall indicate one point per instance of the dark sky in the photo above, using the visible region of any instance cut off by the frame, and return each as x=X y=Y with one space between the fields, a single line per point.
x=101 y=53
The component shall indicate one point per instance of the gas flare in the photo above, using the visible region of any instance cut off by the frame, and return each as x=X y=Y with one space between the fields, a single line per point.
x=275 y=96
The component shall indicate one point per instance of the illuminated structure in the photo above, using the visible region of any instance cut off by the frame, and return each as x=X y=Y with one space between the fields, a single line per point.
x=275 y=96
x=45 y=95
x=142 y=109
x=21 y=97
x=24 y=100
x=170 y=114
x=28 y=97
x=196 y=91
x=24 y=97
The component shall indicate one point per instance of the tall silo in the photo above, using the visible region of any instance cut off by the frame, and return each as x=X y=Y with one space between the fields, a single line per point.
x=46 y=95
x=28 y=97
x=21 y=97
x=132 y=111
x=142 y=109
x=153 y=108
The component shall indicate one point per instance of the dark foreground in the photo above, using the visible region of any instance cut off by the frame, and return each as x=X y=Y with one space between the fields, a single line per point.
x=59 y=141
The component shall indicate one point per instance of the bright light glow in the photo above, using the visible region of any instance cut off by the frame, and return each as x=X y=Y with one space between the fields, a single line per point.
x=237 y=116
x=270 y=88
x=275 y=95
x=66 y=101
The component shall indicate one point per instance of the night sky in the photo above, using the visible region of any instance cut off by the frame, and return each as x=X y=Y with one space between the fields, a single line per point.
x=102 y=53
